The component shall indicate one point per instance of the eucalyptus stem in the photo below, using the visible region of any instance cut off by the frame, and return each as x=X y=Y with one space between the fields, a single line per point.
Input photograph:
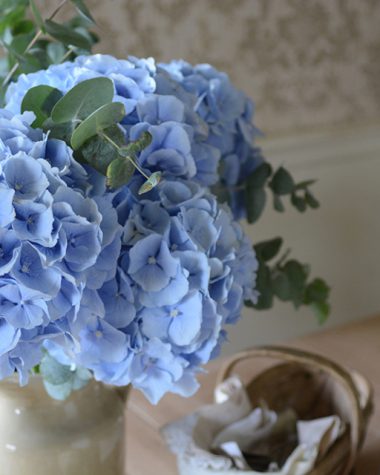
x=32 y=43
x=135 y=164
x=67 y=54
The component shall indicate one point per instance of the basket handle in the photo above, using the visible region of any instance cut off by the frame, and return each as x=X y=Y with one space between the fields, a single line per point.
x=316 y=361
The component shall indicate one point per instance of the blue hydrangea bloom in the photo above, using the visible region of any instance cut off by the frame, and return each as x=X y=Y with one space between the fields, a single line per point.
x=202 y=126
x=137 y=289
x=51 y=236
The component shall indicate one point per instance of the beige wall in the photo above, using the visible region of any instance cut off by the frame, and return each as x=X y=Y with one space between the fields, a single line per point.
x=306 y=63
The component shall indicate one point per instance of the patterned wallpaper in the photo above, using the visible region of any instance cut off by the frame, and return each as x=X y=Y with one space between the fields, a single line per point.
x=306 y=63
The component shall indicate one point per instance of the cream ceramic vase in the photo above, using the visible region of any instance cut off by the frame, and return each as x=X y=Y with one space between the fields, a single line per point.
x=83 y=435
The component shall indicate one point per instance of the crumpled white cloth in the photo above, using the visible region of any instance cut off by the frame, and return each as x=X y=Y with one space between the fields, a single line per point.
x=232 y=419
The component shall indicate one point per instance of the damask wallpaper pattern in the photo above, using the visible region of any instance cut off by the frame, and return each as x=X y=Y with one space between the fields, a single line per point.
x=306 y=63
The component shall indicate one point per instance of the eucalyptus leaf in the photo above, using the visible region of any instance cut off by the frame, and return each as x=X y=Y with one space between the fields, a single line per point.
x=298 y=202
x=60 y=392
x=54 y=372
x=311 y=200
x=321 y=311
x=133 y=148
x=83 y=99
x=258 y=177
x=282 y=182
x=37 y=15
x=40 y=100
x=150 y=183
x=104 y=117
x=278 y=205
x=267 y=250
x=255 y=199
x=55 y=52
x=282 y=286
x=83 y=10
x=99 y=152
x=119 y=172
x=303 y=185
x=66 y=35
x=59 y=131
x=317 y=291
x=264 y=286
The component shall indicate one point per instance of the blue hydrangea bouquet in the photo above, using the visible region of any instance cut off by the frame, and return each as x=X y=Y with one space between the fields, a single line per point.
x=121 y=185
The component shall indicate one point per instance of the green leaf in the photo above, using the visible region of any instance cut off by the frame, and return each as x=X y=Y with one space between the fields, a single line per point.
x=66 y=35
x=40 y=100
x=104 y=117
x=37 y=15
x=23 y=27
x=282 y=286
x=59 y=131
x=83 y=99
x=311 y=200
x=83 y=10
x=60 y=392
x=258 y=178
x=119 y=172
x=55 y=52
x=150 y=183
x=317 y=291
x=298 y=202
x=282 y=182
x=278 y=205
x=99 y=153
x=133 y=148
x=264 y=286
x=266 y=250
x=297 y=275
x=10 y=14
x=321 y=311
x=255 y=199
x=304 y=184
x=54 y=372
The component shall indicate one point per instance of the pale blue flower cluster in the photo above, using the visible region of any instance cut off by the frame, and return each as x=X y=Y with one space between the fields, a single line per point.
x=184 y=271
x=136 y=289
x=51 y=235
x=201 y=124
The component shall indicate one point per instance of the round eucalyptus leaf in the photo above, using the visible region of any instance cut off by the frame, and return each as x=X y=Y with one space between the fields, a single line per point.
x=83 y=99
x=40 y=100
x=101 y=119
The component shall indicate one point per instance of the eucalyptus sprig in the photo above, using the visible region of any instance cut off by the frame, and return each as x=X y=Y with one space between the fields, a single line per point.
x=288 y=280
x=281 y=184
x=87 y=119
x=32 y=43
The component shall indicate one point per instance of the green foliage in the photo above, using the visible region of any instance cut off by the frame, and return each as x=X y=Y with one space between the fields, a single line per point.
x=288 y=280
x=83 y=10
x=83 y=99
x=87 y=119
x=119 y=172
x=40 y=100
x=100 y=152
x=32 y=42
x=60 y=380
x=66 y=35
x=281 y=184
x=102 y=118
x=150 y=183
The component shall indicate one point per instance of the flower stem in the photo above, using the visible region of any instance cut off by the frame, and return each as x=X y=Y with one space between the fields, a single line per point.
x=32 y=43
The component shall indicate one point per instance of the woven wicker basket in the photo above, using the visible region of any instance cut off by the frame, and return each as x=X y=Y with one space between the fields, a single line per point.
x=313 y=386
